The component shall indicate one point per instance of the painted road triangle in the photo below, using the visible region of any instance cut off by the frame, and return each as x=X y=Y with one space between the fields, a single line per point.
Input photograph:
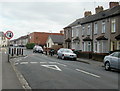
x=55 y=67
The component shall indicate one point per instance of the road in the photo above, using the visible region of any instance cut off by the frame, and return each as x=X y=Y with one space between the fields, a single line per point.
x=45 y=72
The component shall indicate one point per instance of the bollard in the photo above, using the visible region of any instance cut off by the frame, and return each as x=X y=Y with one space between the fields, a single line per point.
x=46 y=52
x=22 y=51
x=8 y=58
x=17 y=52
x=9 y=50
x=12 y=52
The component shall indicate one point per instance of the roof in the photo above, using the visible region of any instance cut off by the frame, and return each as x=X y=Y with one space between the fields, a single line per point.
x=43 y=36
x=101 y=15
x=57 y=38
x=1 y=34
x=101 y=38
x=76 y=22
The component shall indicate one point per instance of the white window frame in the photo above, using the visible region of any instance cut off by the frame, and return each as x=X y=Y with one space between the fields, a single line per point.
x=95 y=28
x=113 y=25
x=89 y=30
x=103 y=27
x=83 y=30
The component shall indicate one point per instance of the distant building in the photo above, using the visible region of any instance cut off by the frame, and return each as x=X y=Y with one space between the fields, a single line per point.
x=21 y=41
x=3 y=40
x=55 y=41
x=40 y=38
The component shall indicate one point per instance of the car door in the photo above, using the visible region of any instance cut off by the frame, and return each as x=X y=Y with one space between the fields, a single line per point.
x=119 y=60
x=114 y=60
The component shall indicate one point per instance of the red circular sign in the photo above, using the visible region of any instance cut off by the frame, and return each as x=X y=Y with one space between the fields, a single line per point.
x=9 y=34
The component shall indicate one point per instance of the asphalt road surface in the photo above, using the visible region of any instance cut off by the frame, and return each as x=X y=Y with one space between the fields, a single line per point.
x=45 y=72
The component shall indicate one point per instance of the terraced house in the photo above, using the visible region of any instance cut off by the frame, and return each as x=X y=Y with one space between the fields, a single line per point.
x=98 y=33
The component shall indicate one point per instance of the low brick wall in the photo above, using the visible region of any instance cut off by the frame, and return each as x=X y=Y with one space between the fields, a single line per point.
x=99 y=56
x=91 y=55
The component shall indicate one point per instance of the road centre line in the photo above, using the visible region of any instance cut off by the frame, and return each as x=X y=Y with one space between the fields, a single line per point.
x=52 y=62
x=24 y=63
x=26 y=57
x=43 y=62
x=88 y=73
x=33 y=62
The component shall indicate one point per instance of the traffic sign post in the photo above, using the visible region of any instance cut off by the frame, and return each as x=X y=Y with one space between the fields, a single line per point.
x=8 y=35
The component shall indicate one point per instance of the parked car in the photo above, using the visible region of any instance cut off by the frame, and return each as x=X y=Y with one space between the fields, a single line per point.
x=112 y=61
x=65 y=53
x=38 y=49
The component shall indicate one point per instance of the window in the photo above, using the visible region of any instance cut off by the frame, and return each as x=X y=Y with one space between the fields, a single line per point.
x=95 y=28
x=103 y=27
x=112 y=45
x=113 y=28
x=88 y=32
x=118 y=45
x=115 y=54
x=83 y=29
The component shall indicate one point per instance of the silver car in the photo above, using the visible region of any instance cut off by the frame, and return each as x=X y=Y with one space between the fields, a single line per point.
x=65 y=53
x=112 y=61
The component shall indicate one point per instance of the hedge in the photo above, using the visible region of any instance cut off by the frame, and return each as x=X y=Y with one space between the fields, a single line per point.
x=30 y=45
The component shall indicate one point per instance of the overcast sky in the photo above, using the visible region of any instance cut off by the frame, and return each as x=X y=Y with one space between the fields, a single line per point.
x=23 y=17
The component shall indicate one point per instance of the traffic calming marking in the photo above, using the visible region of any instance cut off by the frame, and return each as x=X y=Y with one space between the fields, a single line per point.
x=88 y=73
x=55 y=67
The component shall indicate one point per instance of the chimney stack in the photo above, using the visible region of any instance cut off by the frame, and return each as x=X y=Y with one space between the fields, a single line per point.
x=113 y=4
x=61 y=32
x=99 y=9
x=87 y=13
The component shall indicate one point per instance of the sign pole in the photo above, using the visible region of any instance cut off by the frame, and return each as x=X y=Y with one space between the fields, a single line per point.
x=8 y=50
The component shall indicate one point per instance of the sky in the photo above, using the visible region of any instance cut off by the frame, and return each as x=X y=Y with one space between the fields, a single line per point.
x=26 y=16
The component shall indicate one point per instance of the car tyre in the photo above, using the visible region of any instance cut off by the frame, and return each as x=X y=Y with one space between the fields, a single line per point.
x=63 y=57
x=107 y=66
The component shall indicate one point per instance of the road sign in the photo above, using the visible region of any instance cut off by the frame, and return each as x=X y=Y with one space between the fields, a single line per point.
x=9 y=34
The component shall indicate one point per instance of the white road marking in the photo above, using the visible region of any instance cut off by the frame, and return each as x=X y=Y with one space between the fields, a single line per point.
x=55 y=67
x=24 y=63
x=33 y=62
x=16 y=63
x=26 y=57
x=88 y=73
x=51 y=62
x=62 y=64
x=42 y=62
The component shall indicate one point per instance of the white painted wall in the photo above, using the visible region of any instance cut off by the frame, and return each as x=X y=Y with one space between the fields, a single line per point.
x=49 y=43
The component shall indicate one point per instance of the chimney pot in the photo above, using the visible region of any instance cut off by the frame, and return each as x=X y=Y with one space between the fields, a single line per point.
x=113 y=4
x=99 y=9
x=87 y=13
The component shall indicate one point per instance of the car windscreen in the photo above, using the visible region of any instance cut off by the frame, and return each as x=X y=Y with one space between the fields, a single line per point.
x=68 y=51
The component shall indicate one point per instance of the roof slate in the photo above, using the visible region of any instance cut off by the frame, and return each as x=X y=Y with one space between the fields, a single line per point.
x=57 y=38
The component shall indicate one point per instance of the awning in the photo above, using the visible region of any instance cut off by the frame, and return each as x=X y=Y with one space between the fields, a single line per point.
x=117 y=37
x=87 y=39
x=101 y=38
x=68 y=40
x=76 y=39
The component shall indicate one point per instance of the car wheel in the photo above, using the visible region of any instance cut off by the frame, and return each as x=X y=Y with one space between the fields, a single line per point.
x=63 y=57
x=58 y=57
x=74 y=59
x=107 y=66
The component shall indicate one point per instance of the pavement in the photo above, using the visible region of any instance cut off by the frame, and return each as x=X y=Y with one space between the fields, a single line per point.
x=10 y=80
x=87 y=61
